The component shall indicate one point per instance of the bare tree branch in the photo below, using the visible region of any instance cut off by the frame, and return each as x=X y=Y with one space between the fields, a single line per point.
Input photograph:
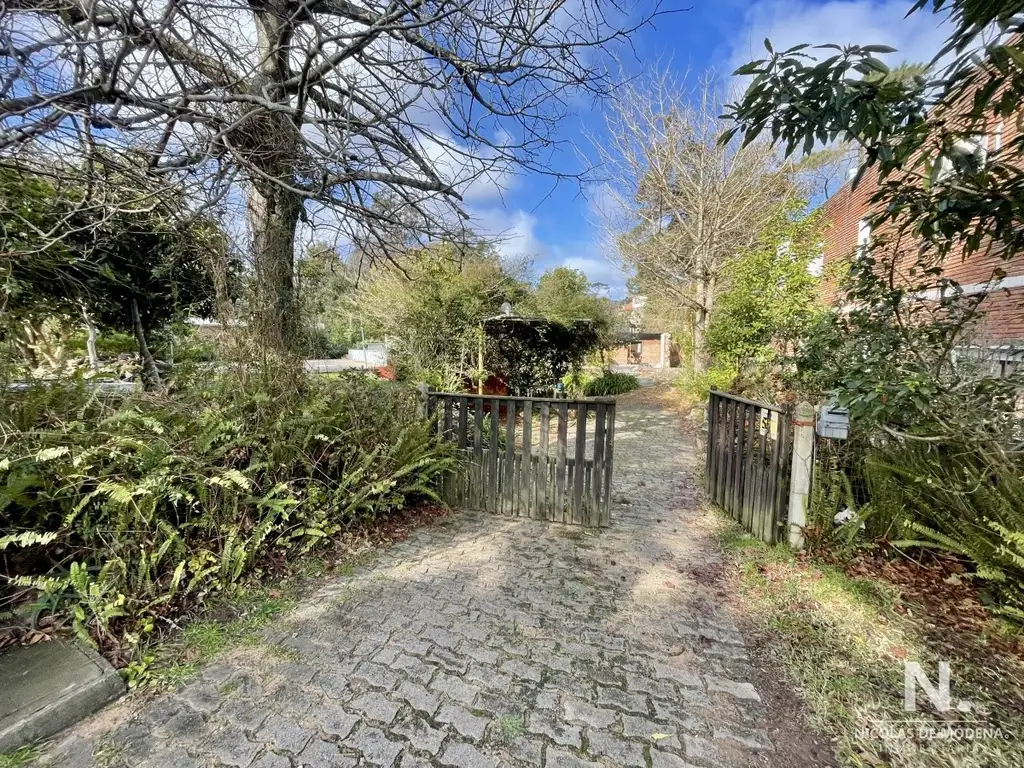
x=679 y=204
x=306 y=108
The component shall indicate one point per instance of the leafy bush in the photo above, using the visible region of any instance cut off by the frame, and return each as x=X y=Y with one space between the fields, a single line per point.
x=959 y=499
x=576 y=380
x=695 y=387
x=125 y=513
x=770 y=296
x=608 y=384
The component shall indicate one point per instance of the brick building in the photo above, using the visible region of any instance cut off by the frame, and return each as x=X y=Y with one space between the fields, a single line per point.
x=640 y=347
x=1003 y=308
x=653 y=349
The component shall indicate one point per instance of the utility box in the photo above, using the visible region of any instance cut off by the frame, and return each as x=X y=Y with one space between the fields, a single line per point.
x=833 y=422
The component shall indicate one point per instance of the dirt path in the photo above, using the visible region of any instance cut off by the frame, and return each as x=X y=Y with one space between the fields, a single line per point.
x=485 y=641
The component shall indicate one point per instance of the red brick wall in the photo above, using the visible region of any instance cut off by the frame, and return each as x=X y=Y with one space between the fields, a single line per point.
x=844 y=210
x=1004 y=310
x=650 y=354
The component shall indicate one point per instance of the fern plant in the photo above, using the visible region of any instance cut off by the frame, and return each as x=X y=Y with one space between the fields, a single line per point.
x=124 y=512
x=964 y=500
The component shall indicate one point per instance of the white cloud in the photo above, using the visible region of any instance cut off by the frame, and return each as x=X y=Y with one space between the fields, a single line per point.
x=513 y=229
x=790 y=22
x=516 y=233
x=599 y=271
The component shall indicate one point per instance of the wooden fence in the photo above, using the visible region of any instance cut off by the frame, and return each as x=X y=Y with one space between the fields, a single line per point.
x=542 y=458
x=749 y=454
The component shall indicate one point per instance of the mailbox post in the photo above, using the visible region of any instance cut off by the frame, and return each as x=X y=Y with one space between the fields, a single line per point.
x=800 y=473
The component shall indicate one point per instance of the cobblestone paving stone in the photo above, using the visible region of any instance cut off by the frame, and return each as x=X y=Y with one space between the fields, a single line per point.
x=485 y=641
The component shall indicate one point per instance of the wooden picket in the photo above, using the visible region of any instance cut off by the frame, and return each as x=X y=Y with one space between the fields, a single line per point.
x=508 y=463
x=749 y=451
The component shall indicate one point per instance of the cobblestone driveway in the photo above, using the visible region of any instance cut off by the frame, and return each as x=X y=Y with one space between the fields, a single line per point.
x=489 y=642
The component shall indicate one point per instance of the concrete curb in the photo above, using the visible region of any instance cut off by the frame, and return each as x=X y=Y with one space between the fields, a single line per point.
x=50 y=686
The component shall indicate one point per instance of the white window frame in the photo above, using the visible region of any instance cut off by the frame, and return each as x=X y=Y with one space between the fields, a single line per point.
x=863 y=237
x=974 y=146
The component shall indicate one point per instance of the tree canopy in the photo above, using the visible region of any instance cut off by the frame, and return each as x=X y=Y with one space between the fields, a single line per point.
x=358 y=118
x=127 y=266
x=566 y=295
x=683 y=200
x=432 y=310
x=769 y=296
x=893 y=356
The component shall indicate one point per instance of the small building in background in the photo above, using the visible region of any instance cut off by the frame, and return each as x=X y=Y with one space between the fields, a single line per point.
x=654 y=350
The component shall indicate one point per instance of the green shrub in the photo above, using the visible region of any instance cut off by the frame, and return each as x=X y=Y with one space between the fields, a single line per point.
x=967 y=500
x=695 y=387
x=108 y=343
x=608 y=384
x=576 y=381
x=123 y=513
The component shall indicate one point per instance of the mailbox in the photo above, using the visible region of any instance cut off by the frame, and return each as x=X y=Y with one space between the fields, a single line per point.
x=833 y=422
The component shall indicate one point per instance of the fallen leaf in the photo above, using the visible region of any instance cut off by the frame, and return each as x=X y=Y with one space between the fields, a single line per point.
x=897 y=652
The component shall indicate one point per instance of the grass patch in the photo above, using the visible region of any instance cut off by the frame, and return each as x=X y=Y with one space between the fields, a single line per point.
x=511 y=727
x=19 y=757
x=109 y=755
x=203 y=640
x=844 y=645
x=282 y=653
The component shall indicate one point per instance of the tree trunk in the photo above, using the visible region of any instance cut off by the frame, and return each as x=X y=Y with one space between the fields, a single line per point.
x=271 y=142
x=150 y=373
x=273 y=217
x=701 y=315
x=90 y=341
x=700 y=319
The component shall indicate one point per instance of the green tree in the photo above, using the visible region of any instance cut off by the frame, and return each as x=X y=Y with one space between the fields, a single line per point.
x=566 y=295
x=326 y=288
x=893 y=354
x=128 y=267
x=432 y=309
x=533 y=354
x=686 y=201
x=770 y=296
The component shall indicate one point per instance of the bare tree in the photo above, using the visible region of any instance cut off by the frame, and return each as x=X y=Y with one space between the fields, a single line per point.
x=360 y=116
x=680 y=204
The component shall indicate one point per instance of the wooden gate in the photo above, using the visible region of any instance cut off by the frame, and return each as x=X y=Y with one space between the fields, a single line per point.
x=542 y=458
x=749 y=453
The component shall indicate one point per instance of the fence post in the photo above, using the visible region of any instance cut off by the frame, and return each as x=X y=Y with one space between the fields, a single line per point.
x=424 y=399
x=800 y=476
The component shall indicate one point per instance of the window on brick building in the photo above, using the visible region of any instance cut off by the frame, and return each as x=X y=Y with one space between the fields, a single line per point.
x=863 y=237
x=966 y=156
x=997 y=137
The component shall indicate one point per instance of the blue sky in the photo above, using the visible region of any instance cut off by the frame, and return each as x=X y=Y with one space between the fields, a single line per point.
x=555 y=224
